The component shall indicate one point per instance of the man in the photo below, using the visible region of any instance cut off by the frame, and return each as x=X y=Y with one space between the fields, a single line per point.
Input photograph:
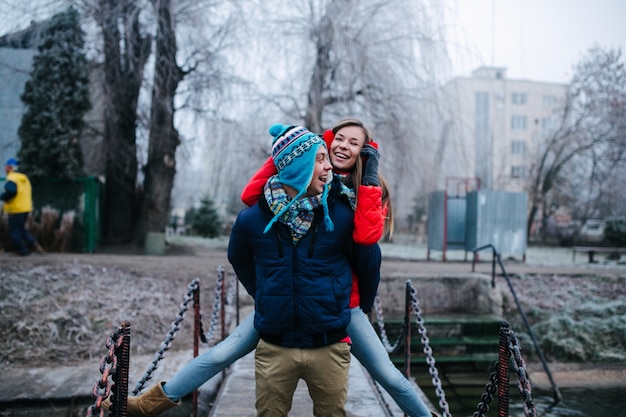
x=18 y=204
x=293 y=252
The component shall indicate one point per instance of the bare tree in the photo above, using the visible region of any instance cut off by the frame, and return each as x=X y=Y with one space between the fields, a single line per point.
x=362 y=59
x=128 y=29
x=591 y=130
x=126 y=49
x=201 y=68
x=164 y=139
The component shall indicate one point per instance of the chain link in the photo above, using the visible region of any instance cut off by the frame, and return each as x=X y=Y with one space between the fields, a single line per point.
x=490 y=389
x=170 y=336
x=380 y=321
x=487 y=397
x=108 y=366
x=523 y=383
x=430 y=359
x=217 y=301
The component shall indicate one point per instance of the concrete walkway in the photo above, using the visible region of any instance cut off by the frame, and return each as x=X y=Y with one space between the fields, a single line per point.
x=235 y=392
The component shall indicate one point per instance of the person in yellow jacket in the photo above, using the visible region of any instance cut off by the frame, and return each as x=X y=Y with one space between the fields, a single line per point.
x=18 y=204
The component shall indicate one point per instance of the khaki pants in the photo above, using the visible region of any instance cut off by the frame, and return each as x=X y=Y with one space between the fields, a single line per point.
x=325 y=371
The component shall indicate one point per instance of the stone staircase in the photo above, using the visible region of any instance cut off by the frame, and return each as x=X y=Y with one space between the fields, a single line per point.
x=460 y=343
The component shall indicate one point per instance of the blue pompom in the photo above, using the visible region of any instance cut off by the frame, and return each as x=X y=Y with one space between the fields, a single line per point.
x=276 y=129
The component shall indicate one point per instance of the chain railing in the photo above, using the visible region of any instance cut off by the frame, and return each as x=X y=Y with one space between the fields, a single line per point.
x=499 y=379
x=118 y=347
x=193 y=286
x=404 y=340
x=115 y=364
x=498 y=258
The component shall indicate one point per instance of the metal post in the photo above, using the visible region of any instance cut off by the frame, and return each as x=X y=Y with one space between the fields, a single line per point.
x=223 y=304
x=493 y=269
x=237 y=298
x=504 y=356
x=445 y=223
x=407 y=337
x=120 y=378
x=196 y=343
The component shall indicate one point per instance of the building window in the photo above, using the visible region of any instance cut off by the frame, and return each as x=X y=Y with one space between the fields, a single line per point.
x=549 y=125
x=518 y=147
x=518 y=172
x=518 y=122
x=550 y=101
x=518 y=98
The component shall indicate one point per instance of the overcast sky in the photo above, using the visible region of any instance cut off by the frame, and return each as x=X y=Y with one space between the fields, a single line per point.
x=540 y=40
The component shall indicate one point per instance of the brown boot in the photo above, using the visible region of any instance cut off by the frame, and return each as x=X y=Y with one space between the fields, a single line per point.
x=149 y=404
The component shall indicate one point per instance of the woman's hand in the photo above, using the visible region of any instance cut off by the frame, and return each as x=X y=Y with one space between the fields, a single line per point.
x=370 y=157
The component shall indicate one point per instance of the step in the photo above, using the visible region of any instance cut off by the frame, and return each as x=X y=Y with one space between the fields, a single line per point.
x=449 y=327
x=456 y=363
x=460 y=341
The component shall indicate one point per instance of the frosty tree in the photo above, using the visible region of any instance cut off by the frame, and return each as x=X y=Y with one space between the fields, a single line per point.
x=56 y=99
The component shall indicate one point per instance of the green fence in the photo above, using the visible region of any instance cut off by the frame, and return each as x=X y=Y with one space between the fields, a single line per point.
x=83 y=196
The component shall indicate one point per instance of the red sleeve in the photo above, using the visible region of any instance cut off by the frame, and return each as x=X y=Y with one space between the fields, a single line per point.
x=254 y=188
x=369 y=215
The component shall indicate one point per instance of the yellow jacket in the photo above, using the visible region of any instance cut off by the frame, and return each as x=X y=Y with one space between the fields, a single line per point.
x=23 y=201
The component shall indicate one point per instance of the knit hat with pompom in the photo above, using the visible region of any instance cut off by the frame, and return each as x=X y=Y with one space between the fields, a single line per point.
x=294 y=149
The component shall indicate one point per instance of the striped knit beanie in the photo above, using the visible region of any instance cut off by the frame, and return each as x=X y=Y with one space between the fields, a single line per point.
x=293 y=150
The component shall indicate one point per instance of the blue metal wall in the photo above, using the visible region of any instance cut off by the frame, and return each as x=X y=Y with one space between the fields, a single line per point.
x=476 y=219
x=455 y=238
x=497 y=218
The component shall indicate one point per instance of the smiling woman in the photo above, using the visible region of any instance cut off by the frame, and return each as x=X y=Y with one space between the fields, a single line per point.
x=346 y=147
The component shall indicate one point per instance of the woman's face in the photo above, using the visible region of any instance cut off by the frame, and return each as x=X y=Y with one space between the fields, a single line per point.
x=345 y=148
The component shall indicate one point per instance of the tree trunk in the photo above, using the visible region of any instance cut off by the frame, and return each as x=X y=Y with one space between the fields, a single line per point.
x=317 y=87
x=123 y=74
x=161 y=167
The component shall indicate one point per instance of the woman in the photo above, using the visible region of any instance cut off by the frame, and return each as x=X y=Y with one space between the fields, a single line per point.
x=354 y=157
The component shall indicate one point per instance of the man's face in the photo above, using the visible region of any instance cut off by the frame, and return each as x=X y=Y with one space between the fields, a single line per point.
x=321 y=172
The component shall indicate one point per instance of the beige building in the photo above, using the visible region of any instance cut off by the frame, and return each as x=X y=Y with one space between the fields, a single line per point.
x=493 y=127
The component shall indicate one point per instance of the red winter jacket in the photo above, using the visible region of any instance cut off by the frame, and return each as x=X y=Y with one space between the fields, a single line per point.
x=369 y=215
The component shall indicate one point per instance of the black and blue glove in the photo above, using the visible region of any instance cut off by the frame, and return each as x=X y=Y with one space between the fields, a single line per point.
x=370 y=156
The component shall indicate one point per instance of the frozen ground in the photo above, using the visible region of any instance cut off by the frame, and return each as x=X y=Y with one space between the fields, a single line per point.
x=59 y=306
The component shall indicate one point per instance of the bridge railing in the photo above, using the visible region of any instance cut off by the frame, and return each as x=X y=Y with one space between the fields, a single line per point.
x=497 y=258
x=116 y=362
x=509 y=347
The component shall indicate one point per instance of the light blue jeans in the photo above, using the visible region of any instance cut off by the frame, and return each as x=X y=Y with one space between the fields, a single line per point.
x=370 y=351
x=366 y=347
x=199 y=370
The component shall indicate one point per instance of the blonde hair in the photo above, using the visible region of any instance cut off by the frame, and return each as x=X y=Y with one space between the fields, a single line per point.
x=357 y=173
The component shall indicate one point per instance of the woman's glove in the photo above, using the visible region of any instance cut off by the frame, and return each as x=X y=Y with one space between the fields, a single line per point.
x=370 y=157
